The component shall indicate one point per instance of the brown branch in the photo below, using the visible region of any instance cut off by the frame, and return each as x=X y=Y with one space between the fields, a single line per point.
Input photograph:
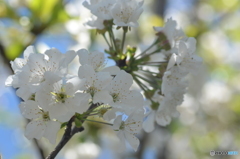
x=69 y=132
x=66 y=137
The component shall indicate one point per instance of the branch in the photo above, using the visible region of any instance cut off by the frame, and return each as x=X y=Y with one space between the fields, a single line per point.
x=66 y=137
x=69 y=132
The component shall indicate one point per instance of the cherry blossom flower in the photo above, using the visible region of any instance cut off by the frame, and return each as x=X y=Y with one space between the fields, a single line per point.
x=127 y=129
x=122 y=97
x=100 y=8
x=41 y=125
x=62 y=100
x=127 y=12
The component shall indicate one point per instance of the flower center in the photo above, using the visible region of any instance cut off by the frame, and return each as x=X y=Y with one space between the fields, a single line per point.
x=32 y=97
x=45 y=116
x=61 y=97
x=92 y=90
x=115 y=97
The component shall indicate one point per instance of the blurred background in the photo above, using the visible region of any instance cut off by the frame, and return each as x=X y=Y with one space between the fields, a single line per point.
x=210 y=114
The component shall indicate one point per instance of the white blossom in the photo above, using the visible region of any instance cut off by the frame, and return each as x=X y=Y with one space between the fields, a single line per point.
x=95 y=84
x=95 y=23
x=94 y=59
x=127 y=12
x=122 y=97
x=41 y=125
x=62 y=100
x=35 y=68
x=100 y=8
x=127 y=129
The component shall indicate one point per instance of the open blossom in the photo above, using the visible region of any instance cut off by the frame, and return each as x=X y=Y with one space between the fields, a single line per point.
x=152 y=109
x=185 y=58
x=41 y=124
x=96 y=60
x=95 y=84
x=127 y=129
x=123 y=12
x=61 y=100
x=123 y=98
x=36 y=68
x=95 y=23
x=173 y=34
x=100 y=8
x=127 y=12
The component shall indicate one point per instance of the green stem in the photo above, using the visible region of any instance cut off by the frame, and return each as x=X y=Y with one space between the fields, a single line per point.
x=112 y=38
x=143 y=78
x=99 y=122
x=111 y=41
x=147 y=49
x=141 y=85
x=148 y=72
x=124 y=37
x=106 y=40
x=158 y=50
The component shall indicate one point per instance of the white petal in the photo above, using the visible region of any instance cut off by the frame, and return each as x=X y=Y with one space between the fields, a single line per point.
x=30 y=110
x=148 y=124
x=162 y=118
x=121 y=82
x=51 y=77
x=44 y=98
x=83 y=56
x=191 y=44
x=52 y=127
x=132 y=140
x=81 y=101
x=68 y=57
x=69 y=89
x=102 y=97
x=29 y=50
x=103 y=79
x=54 y=55
x=113 y=70
x=57 y=110
x=77 y=83
x=87 y=72
x=24 y=92
x=122 y=139
x=35 y=129
x=9 y=80
x=110 y=114
x=172 y=61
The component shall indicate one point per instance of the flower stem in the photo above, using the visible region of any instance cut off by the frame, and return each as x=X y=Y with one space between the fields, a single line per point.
x=112 y=38
x=125 y=29
x=106 y=40
x=144 y=52
x=98 y=122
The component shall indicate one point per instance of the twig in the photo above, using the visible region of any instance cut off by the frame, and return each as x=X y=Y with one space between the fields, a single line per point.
x=69 y=132
x=66 y=137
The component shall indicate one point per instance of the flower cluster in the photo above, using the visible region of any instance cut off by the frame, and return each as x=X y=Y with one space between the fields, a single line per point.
x=122 y=12
x=51 y=96
x=181 y=60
